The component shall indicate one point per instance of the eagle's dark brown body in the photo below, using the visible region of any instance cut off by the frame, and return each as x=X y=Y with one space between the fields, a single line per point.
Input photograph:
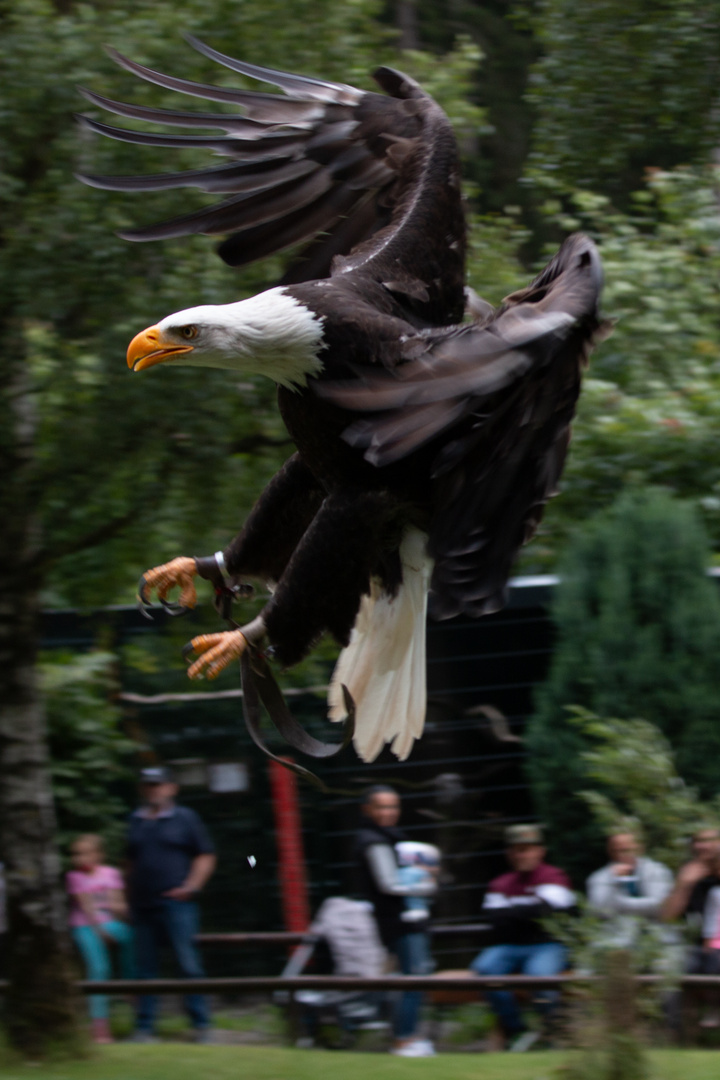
x=414 y=420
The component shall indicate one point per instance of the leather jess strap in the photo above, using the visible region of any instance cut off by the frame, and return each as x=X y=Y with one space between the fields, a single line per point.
x=259 y=687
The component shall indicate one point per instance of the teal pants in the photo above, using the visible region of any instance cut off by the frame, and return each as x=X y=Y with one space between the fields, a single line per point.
x=96 y=955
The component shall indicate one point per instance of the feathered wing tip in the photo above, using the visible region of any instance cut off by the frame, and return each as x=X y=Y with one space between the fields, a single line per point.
x=344 y=172
x=383 y=667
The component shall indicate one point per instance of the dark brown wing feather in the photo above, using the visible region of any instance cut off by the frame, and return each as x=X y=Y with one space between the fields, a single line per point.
x=371 y=182
x=495 y=400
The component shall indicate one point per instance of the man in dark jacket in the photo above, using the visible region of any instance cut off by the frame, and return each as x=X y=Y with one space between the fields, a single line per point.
x=516 y=903
x=378 y=881
x=170 y=857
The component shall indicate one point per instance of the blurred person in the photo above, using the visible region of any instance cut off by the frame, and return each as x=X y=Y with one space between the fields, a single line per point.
x=98 y=911
x=401 y=931
x=629 y=893
x=694 y=898
x=516 y=904
x=170 y=857
x=695 y=878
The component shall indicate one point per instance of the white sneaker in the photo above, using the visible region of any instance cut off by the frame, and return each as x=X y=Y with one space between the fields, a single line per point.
x=524 y=1042
x=416 y=1048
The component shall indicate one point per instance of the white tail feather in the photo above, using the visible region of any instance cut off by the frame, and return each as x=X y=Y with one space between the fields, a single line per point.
x=383 y=667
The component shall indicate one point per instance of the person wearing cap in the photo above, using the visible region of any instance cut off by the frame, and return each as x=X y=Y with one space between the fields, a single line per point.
x=516 y=904
x=171 y=857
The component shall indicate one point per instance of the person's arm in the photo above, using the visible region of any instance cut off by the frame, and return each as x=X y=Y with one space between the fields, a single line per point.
x=203 y=861
x=656 y=882
x=117 y=903
x=711 y=918
x=547 y=898
x=87 y=906
x=677 y=902
x=638 y=905
x=201 y=869
x=383 y=867
x=607 y=894
x=601 y=891
x=555 y=895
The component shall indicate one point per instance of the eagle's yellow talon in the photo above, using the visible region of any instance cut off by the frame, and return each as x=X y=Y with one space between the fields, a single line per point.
x=216 y=652
x=180 y=571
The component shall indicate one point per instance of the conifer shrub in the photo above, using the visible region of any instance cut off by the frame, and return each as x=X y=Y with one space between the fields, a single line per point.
x=638 y=623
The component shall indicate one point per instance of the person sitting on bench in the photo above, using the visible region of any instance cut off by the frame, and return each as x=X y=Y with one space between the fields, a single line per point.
x=516 y=903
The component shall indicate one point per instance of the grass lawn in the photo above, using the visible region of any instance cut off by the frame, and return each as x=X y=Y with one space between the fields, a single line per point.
x=173 y=1062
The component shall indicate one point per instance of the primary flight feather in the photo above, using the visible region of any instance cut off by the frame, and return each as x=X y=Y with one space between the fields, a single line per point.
x=426 y=447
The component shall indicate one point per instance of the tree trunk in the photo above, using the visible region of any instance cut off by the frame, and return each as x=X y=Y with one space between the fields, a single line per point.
x=407 y=23
x=42 y=1005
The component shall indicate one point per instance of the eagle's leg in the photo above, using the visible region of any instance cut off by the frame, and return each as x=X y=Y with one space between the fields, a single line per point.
x=261 y=549
x=329 y=571
x=180 y=571
x=276 y=524
x=216 y=651
x=319 y=590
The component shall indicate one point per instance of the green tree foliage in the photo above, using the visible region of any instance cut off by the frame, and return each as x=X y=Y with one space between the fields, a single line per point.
x=113 y=456
x=620 y=87
x=90 y=755
x=638 y=624
x=637 y=788
x=508 y=47
x=649 y=411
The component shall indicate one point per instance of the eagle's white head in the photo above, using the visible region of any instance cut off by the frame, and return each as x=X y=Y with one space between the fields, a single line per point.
x=270 y=334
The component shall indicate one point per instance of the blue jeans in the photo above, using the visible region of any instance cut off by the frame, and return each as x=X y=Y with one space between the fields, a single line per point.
x=413 y=953
x=175 y=923
x=548 y=958
x=96 y=955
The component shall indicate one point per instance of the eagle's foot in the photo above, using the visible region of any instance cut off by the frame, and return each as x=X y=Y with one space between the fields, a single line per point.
x=215 y=651
x=180 y=572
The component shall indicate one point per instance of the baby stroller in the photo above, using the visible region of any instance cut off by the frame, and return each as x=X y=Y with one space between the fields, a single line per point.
x=347 y=930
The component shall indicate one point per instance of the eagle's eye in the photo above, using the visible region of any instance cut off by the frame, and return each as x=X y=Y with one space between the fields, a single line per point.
x=188 y=332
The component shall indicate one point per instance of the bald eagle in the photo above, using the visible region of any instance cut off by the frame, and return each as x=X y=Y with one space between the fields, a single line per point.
x=430 y=429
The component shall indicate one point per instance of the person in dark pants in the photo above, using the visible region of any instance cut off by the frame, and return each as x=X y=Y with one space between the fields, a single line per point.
x=378 y=880
x=516 y=904
x=171 y=857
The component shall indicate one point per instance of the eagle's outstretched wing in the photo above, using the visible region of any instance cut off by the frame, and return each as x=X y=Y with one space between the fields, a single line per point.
x=324 y=164
x=495 y=401
x=467 y=425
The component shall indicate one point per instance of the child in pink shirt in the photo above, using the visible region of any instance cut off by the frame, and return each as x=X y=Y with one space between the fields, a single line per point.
x=97 y=911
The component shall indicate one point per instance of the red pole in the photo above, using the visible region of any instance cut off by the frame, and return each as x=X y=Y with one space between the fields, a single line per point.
x=292 y=873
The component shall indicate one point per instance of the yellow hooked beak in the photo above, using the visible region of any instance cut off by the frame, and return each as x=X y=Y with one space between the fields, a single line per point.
x=151 y=347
